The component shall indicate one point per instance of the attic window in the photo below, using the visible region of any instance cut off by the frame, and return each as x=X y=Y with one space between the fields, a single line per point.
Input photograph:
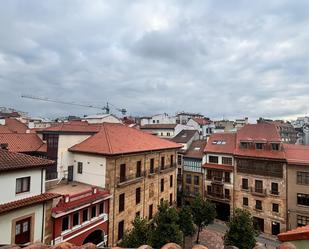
x=197 y=148
x=275 y=146
x=259 y=146
x=244 y=145
x=219 y=142
x=184 y=135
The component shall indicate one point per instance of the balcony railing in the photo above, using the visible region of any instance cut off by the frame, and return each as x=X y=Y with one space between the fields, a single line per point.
x=244 y=188
x=122 y=181
x=167 y=168
x=274 y=192
x=218 y=196
x=258 y=191
x=152 y=173
x=218 y=179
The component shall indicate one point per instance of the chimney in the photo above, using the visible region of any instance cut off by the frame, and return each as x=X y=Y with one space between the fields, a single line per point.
x=2 y=121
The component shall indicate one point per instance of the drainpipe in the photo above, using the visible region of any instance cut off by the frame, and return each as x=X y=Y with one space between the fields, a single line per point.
x=42 y=181
x=43 y=223
x=145 y=175
x=114 y=199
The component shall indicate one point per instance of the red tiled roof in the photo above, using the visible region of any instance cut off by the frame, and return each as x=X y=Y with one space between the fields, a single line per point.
x=218 y=166
x=296 y=153
x=5 y=129
x=184 y=136
x=227 y=148
x=73 y=127
x=158 y=126
x=202 y=121
x=21 y=142
x=118 y=139
x=63 y=206
x=27 y=202
x=196 y=149
x=12 y=161
x=300 y=233
x=261 y=132
x=15 y=125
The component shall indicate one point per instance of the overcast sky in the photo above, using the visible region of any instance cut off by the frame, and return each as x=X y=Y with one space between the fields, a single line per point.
x=220 y=58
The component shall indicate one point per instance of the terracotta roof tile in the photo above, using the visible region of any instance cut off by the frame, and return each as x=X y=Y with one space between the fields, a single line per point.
x=184 y=136
x=27 y=202
x=118 y=139
x=296 y=153
x=12 y=161
x=202 y=121
x=218 y=166
x=15 y=125
x=196 y=149
x=158 y=126
x=21 y=142
x=226 y=145
x=300 y=233
x=73 y=127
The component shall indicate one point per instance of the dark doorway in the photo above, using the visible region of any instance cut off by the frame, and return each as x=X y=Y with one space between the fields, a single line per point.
x=223 y=211
x=258 y=224
x=275 y=228
x=22 y=231
x=96 y=237
x=70 y=173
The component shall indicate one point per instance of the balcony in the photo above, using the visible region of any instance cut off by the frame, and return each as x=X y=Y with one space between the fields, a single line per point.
x=218 y=196
x=258 y=191
x=167 y=168
x=127 y=180
x=244 y=188
x=274 y=192
x=153 y=173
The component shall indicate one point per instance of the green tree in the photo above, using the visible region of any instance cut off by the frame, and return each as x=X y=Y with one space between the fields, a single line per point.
x=241 y=231
x=186 y=223
x=139 y=235
x=165 y=226
x=204 y=213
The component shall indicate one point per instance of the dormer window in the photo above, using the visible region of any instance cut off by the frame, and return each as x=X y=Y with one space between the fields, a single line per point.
x=275 y=146
x=244 y=145
x=259 y=146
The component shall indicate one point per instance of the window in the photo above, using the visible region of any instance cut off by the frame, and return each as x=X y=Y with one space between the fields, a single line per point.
x=303 y=178
x=85 y=215
x=76 y=219
x=259 y=146
x=196 y=190
x=245 y=201
x=122 y=172
x=137 y=196
x=138 y=214
x=172 y=160
x=303 y=199
x=196 y=180
x=244 y=183
x=168 y=134
x=65 y=223
x=121 y=202
x=153 y=121
x=209 y=174
x=162 y=185
x=275 y=207
x=171 y=181
x=138 y=169
x=161 y=201
x=213 y=159
x=179 y=159
x=22 y=185
x=258 y=204
x=302 y=220
x=188 y=188
x=79 y=167
x=150 y=211
x=274 y=188
x=258 y=186
x=227 y=193
x=151 y=166
x=188 y=179
x=22 y=231
x=101 y=208
x=208 y=189
x=244 y=145
x=275 y=146
x=93 y=211
x=120 y=229
x=171 y=199
x=162 y=162
x=226 y=176
x=227 y=160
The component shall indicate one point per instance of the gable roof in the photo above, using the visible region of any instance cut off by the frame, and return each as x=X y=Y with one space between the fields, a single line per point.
x=184 y=136
x=226 y=145
x=201 y=121
x=116 y=139
x=72 y=127
x=21 y=142
x=196 y=149
x=13 y=161
x=300 y=233
x=158 y=126
x=296 y=154
x=13 y=126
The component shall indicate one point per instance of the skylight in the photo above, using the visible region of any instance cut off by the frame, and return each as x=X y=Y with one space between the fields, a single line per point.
x=219 y=142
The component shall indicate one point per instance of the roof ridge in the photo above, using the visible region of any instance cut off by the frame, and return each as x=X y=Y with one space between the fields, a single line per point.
x=107 y=139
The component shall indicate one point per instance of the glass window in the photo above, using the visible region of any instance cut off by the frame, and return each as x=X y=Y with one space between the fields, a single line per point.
x=196 y=180
x=22 y=184
x=258 y=204
x=93 y=211
x=302 y=220
x=76 y=219
x=138 y=169
x=274 y=188
x=258 y=186
x=79 y=167
x=188 y=178
x=121 y=202
x=171 y=199
x=162 y=185
x=162 y=162
x=151 y=166
x=137 y=195
x=150 y=211
x=303 y=199
x=65 y=223
x=227 y=160
x=213 y=159
x=245 y=201
x=120 y=229
x=244 y=183
x=226 y=176
x=275 y=146
x=85 y=215
x=259 y=146
x=303 y=178
x=101 y=208
x=171 y=181
x=275 y=207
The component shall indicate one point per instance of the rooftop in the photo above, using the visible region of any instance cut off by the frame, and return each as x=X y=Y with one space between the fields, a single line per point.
x=184 y=136
x=158 y=126
x=73 y=127
x=116 y=139
x=223 y=143
x=300 y=233
x=196 y=149
x=13 y=161
x=13 y=126
x=296 y=154
x=202 y=121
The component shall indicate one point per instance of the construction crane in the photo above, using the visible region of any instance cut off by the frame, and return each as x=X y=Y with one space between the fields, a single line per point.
x=104 y=108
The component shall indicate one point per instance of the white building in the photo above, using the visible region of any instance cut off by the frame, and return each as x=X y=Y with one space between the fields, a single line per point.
x=158 y=119
x=165 y=130
x=101 y=118
x=204 y=126
x=24 y=203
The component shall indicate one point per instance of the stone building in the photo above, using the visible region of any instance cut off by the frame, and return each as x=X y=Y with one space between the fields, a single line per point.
x=218 y=169
x=260 y=176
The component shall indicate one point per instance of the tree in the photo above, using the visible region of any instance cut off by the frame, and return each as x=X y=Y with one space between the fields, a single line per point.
x=241 y=231
x=204 y=213
x=165 y=226
x=186 y=223
x=139 y=235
